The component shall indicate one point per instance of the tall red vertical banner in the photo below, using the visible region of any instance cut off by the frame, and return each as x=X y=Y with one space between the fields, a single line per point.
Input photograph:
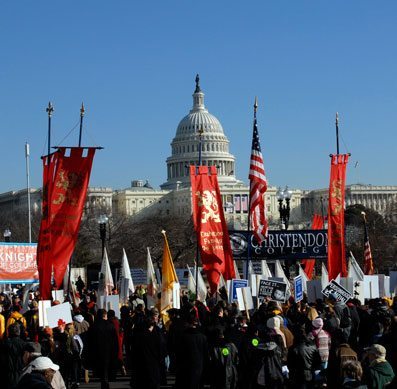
x=210 y=225
x=44 y=263
x=336 y=217
x=308 y=264
x=66 y=181
x=67 y=203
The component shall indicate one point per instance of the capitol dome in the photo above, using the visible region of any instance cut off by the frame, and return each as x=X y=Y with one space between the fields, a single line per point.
x=185 y=146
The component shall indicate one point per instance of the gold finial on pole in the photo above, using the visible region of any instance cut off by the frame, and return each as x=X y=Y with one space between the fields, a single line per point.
x=337 y=118
x=82 y=110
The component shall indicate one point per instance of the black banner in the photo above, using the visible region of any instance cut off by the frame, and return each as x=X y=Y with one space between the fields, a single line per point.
x=282 y=244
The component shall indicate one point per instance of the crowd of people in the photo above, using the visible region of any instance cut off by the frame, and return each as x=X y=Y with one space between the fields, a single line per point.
x=292 y=345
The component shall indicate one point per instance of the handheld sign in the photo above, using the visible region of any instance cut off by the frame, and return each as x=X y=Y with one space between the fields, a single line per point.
x=59 y=314
x=298 y=288
x=244 y=298
x=277 y=291
x=234 y=285
x=340 y=293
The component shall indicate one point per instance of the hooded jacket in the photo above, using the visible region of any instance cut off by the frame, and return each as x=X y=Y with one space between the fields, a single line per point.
x=380 y=373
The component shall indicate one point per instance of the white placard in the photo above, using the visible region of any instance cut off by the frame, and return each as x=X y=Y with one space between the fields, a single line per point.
x=371 y=287
x=255 y=280
x=59 y=313
x=244 y=298
x=384 y=285
x=314 y=288
x=43 y=305
x=58 y=295
x=110 y=302
x=176 y=295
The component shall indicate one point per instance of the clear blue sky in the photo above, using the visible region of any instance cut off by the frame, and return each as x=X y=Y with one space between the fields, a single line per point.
x=133 y=64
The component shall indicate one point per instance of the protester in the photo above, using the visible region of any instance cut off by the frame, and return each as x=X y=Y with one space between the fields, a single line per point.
x=378 y=371
x=41 y=375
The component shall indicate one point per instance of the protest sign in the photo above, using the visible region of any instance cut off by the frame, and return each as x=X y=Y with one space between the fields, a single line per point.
x=234 y=285
x=298 y=288
x=337 y=290
x=314 y=289
x=110 y=302
x=43 y=305
x=58 y=295
x=255 y=279
x=274 y=289
x=371 y=287
x=59 y=315
x=384 y=285
x=244 y=298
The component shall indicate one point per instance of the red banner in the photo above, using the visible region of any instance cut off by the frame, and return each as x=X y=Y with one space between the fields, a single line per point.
x=18 y=263
x=44 y=243
x=210 y=225
x=67 y=195
x=336 y=217
x=308 y=264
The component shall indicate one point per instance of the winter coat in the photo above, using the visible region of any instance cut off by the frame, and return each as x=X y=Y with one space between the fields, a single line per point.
x=378 y=374
x=191 y=358
x=223 y=365
x=33 y=381
x=146 y=359
x=303 y=360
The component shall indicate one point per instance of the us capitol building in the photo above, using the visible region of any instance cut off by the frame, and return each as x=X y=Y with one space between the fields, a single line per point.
x=174 y=196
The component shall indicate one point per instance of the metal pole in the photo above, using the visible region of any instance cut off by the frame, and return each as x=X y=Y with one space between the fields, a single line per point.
x=249 y=210
x=27 y=156
x=201 y=130
x=50 y=110
x=337 y=132
x=81 y=122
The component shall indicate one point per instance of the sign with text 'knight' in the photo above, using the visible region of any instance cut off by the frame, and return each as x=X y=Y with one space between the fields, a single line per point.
x=277 y=291
x=298 y=288
x=338 y=291
x=18 y=263
x=284 y=244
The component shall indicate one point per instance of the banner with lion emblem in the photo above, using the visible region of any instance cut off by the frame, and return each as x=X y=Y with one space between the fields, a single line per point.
x=210 y=225
x=336 y=217
x=66 y=198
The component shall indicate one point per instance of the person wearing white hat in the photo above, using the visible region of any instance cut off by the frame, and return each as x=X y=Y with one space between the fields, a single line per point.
x=43 y=370
x=32 y=351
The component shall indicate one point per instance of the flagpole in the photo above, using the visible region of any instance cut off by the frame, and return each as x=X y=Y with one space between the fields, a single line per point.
x=81 y=122
x=49 y=110
x=27 y=157
x=200 y=132
x=337 y=132
x=249 y=208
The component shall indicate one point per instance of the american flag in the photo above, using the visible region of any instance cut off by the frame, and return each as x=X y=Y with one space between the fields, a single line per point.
x=368 y=262
x=258 y=187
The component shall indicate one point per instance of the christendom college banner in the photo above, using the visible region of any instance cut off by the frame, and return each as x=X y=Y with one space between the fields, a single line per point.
x=336 y=217
x=210 y=225
x=66 y=190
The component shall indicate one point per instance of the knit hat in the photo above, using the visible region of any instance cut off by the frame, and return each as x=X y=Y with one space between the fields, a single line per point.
x=317 y=323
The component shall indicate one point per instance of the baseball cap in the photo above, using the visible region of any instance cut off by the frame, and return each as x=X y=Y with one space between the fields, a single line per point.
x=377 y=349
x=44 y=363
